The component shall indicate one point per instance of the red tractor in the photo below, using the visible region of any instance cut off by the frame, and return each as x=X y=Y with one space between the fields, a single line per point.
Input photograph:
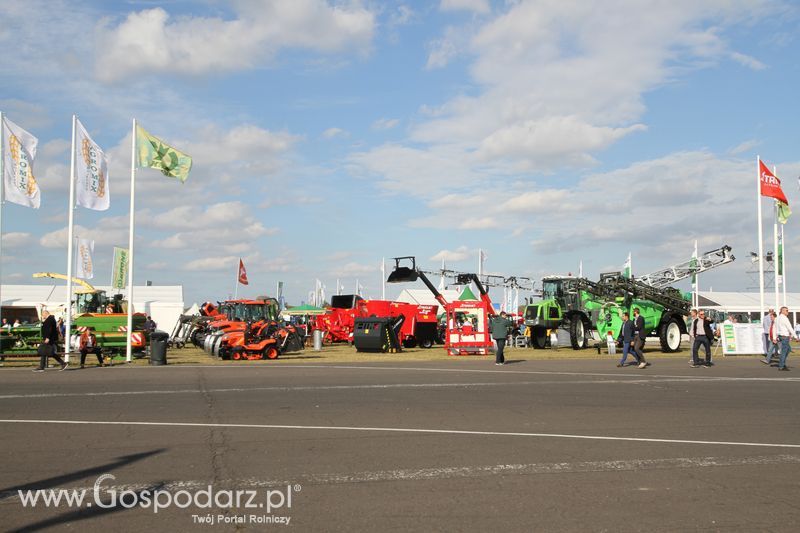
x=338 y=321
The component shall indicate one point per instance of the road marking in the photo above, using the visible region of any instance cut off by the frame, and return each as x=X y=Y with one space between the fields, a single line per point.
x=299 y=388
x=449 y=472
x=393 y=430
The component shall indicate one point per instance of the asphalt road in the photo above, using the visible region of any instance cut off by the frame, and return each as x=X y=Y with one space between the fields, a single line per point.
x=460 y=445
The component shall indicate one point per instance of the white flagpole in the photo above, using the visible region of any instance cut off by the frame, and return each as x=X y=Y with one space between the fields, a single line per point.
x=783 y=265
x=338 y=287
x=2 y=197
x=383 y=278
x=70 y=239
x=580 y=268
x=760 y=240
x=696 y=278
x=775 y=256
x=128 y=347
x=236 y=289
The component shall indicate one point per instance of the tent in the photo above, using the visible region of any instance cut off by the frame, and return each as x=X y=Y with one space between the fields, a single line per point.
x=305 y=309
x=467 y=294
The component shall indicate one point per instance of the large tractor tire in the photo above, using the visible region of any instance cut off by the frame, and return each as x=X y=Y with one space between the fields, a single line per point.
x=577 y=334
x=670 y=335
x=427 y=343
x=538 y=338
x=270 y=352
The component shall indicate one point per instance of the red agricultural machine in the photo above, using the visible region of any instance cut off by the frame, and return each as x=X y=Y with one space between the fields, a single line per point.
x=387 y=326
x=339 y=320
x=467 y=327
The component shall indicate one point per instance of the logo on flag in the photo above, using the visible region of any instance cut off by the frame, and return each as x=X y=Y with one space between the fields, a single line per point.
x=91 y=172
x=242 y=274
x=770 y=184
x=120 y=271
x=85 y=264
x=19 y=150
x=154 y=153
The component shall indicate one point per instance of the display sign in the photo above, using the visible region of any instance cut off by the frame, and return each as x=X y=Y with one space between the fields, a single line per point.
x=740 y=339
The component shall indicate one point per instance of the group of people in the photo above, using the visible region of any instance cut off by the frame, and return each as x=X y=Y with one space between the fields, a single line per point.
x=632 y=336
x=778 y=332
x=52 y=334
x=6 y=325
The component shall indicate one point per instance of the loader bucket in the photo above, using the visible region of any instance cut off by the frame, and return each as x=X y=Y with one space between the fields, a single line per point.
x=402 y=275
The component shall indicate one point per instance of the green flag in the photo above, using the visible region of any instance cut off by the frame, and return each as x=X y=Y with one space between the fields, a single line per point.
x=154 y=153
x=120 y=271
x=783 y=212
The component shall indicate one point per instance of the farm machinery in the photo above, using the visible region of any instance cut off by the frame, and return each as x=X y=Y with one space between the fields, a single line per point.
x=387 y=326
x=580 y=305
x=93 y=308
x=338 y=322
x=467 y=325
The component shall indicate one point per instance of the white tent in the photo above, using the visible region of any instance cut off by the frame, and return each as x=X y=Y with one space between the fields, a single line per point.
x=425 y=297
x=163 y=302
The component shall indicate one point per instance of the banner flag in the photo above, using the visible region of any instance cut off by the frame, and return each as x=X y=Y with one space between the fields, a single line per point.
x=120 y=270
x=19 y=151
x=780 y=254
x=242 y=274
x=783 y=211
x=91 y=172
x=84 y=257
x=770 y=184
x=154 y=153
x=626 y=268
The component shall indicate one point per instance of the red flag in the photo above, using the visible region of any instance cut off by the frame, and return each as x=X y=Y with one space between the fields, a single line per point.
x=770 y=184
x=242 y=274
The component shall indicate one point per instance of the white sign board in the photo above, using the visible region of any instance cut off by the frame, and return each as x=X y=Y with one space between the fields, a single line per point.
x=740 y=339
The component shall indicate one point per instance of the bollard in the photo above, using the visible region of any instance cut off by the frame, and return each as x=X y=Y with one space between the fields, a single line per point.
x=317 y=340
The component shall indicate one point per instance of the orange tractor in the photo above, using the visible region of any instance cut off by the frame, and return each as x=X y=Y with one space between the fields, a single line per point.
x=263 y=340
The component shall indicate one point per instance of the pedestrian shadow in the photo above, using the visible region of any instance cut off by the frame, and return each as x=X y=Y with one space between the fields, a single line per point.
x=514 y=361
x=57 y=481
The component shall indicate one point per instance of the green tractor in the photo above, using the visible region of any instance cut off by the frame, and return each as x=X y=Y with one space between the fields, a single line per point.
x=567 y=302
x=580 y=305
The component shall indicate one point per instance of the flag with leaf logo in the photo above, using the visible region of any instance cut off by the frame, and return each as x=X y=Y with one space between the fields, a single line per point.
x=154 y=153
x=19 y=150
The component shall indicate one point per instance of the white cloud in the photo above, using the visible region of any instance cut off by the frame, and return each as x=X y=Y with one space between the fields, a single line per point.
x=152 y=42
x=385 y=123
x=459 y=254
x=477 y=6
x=331 y=133
x=748 y=61
x=743 y=147
x=16 y=239
x=354 y=270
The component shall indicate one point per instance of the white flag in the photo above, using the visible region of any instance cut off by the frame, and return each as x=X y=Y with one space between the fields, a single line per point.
x=85 y=264
x=91 y=172
x=19 y=150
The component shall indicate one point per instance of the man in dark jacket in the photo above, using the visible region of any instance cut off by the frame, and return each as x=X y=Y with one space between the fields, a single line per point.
x=49 y=342
x=500 y=328
x=703 y=335
x=639 y=335
x=626 y=337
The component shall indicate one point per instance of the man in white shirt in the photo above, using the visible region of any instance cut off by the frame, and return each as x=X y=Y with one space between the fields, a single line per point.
x=785 y=332
x=766 y=323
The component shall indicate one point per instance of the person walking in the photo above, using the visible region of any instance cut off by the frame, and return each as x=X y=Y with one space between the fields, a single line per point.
x=88 y=344
x=772 y=339
x=766 y=324
x=626 y=337
x=702 y=337
x=785 y=332
x=49 y=344
x=500 y=328
x=639 y=335
x=692 y=318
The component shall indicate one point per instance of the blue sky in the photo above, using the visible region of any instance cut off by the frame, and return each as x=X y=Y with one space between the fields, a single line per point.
x=326 y=135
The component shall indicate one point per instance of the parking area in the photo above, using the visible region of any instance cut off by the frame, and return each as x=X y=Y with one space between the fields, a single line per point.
x=439 y=445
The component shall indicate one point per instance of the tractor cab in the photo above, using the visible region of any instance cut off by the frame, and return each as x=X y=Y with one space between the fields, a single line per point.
x=96 y=302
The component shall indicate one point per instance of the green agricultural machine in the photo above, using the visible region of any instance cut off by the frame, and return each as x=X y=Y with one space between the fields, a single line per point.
x=580 y=305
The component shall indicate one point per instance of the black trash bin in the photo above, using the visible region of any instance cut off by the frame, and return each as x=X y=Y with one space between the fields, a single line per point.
x=158 y=347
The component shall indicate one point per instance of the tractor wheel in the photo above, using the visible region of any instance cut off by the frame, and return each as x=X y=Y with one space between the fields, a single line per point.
x=577 y=334
x=237 y=356
x=538 y=338
x=271 y=352
x=409 y=343
x=427 y=343
x=670 y=336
